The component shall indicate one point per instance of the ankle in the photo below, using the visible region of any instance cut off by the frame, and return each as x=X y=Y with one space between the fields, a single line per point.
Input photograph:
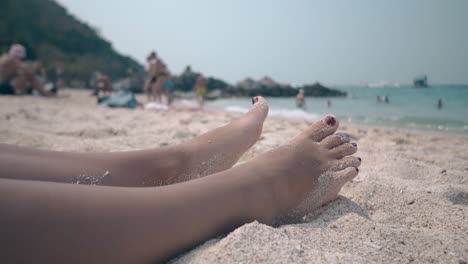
x=260 y=200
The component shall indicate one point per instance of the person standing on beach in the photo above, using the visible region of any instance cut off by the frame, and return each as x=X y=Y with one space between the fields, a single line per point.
x=162 y=76
x=16 y=77
x=200 y=90
x=151 y=77
x=167 y=89
x=103 y=83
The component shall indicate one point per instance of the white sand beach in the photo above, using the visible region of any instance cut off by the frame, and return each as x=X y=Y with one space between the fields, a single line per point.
x=408 y=204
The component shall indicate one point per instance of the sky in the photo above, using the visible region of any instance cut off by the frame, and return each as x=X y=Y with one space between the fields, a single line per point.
x=292 y=41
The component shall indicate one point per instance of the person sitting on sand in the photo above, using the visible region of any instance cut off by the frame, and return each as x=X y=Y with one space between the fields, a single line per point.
x=16 y=77
x=192 y=192
x=300 y=99
x=200 y=90
x=59 y=76
x=40 y=73
x=103 y=84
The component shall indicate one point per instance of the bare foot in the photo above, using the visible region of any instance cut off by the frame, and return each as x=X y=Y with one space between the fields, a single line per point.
x=295 y=174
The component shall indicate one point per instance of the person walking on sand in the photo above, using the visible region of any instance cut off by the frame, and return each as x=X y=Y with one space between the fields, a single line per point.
x=200 y=90
x=146 y=206
x=16 y=77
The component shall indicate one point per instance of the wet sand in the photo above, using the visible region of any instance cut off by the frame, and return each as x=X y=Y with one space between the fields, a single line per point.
x=408 y=204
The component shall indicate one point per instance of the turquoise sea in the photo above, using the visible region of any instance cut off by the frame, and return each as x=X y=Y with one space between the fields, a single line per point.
x=408 y=107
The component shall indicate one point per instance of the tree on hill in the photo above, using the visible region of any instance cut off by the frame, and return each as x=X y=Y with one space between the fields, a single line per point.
x=50 y=34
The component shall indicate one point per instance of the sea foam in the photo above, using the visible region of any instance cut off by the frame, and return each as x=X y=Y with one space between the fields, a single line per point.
x=292 y=114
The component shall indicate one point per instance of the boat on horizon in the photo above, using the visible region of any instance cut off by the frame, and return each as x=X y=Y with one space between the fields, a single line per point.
x=420 y=81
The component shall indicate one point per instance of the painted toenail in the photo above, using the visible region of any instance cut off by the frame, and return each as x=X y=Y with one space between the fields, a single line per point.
x=359 y=159
x=254 y=99
x=330 y=120
x=354 y=144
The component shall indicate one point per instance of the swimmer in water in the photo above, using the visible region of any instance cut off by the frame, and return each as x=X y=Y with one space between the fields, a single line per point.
x=378 y=99
x=300 y=99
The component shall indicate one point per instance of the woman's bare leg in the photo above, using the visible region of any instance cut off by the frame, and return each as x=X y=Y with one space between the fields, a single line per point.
x=44 y=222
x=63 y=223
x=209 y=153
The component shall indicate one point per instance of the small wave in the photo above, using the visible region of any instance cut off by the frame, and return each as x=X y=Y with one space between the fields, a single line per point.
x=236 y=109
x=188 y=103
x=295 y=114
x=292 y=114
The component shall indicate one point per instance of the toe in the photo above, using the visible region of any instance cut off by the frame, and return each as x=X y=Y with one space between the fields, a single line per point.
x=335 y=140
x=343 y=150
x=322 y=128
x=259 y=106
x=346 y=162
x=258 y=100
x=346 y=175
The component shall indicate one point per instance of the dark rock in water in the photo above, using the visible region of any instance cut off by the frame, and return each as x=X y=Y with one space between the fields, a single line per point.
x=268 y=87
x=186 y=81
x=318 y=90
x=249 y=87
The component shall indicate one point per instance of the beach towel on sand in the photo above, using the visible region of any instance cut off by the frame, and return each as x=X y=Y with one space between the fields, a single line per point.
x=122 y=98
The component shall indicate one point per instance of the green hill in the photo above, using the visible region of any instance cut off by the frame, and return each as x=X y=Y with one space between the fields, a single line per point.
x=52 y=35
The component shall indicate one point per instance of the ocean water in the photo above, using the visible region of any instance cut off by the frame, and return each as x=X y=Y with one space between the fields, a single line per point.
x=409 y=107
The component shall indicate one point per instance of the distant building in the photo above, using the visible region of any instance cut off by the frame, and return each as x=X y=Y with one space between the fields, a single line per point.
x=420 y=81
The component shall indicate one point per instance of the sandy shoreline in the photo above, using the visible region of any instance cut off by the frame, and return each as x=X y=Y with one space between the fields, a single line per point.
x=408 y=204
